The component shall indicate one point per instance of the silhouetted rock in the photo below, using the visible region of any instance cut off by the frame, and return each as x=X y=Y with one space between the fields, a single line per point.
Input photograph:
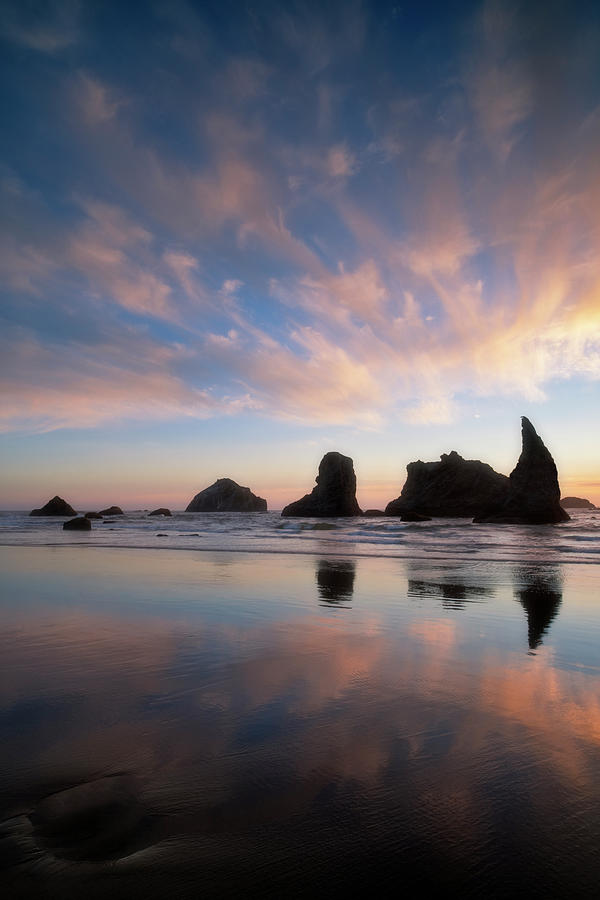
x=163 y=511
x=112 y=511
x=414 y=517
x=371 y=513
x=533 y=492
x=55 y=507
x=334 y=493
x=93 y=515
x=576 y=503
x=451 y=487
x=226 y=495
x=78 y=524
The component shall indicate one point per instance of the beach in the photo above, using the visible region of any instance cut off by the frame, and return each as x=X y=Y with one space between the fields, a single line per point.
x=230 y=722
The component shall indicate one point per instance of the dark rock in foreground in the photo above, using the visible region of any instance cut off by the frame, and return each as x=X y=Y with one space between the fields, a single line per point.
x=576 y=503
x=226 y=495
x=93 y=515
x=334 y=493
x=533 y=493
x=112 y=511
x=451 y=487
x=55 y=507
x=163 y=511
x=81 y=523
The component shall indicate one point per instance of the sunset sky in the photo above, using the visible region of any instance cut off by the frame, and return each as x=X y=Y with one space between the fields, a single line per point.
x=236 y=235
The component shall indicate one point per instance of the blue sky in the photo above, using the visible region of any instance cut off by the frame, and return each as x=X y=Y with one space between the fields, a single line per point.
x=237 y=235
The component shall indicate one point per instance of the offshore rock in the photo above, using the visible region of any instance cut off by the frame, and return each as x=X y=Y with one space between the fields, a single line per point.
x=334 y=493
x=451 y=487
x=372 y=513
x=533 y=493
x=55 y=507
x=226 y=495
x=81 y=523
x=93 y=515
x=163 y=511
x=111 y=511
x=576 y=503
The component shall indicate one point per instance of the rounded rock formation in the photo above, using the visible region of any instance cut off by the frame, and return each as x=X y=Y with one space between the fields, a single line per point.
x=112 y=511
x=452 y=487
x=226 y=495
x=334 y=493
x=163 y=511
x=81 y=523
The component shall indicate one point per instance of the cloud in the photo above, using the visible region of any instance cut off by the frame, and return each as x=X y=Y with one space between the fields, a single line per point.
x=497 y=80
x=46 y=388
x=340 y=162
x=48 y=28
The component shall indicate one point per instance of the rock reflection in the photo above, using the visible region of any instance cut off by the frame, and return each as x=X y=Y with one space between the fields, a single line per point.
x=540 y=595
x=335 y=580
x=454 y=595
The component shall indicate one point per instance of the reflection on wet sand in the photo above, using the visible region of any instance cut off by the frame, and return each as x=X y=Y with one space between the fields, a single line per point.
x=335 y=580
x=454 y=595
x=540 y=594
x=227 y=750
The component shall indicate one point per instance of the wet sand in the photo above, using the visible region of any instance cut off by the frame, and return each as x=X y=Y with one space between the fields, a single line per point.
x=178 y=723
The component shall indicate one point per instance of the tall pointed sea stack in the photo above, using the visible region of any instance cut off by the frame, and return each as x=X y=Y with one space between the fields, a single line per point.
x=334 y=493
x=533 y=491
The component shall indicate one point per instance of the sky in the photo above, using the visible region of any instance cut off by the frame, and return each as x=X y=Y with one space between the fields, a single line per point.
x=236 y=235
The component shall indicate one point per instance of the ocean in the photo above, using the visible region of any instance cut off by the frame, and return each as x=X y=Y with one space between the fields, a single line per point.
x=574 y=541
x=239 y=705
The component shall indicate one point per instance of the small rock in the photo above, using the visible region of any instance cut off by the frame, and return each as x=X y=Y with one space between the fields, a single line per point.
x=78 y=524
x=160 y=512
x=112 y=511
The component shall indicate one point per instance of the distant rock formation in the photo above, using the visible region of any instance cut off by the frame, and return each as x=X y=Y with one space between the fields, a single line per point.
x=453 y=486
x=334 y=493
x=163 y=511
x=576 y=503
x=55 y=507
x=81 y=523
x=93 y=515
x=112 y=511
x=533 y=496
x=371 y=513
x=226 y=495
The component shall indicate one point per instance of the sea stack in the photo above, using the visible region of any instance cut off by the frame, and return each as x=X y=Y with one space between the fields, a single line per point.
x=334 y=493
x=55 y=507
x=576 y=503
x=452 y=487
x=226 y=495
x=533 y=492
x=111 y=511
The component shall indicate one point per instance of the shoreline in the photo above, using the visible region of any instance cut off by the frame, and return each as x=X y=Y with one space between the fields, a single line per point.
x=324 y=551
